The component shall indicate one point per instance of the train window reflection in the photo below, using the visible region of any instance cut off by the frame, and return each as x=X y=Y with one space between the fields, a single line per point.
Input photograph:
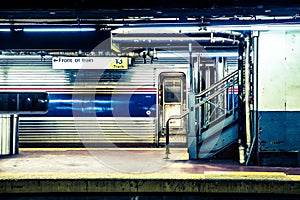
x=172 y=91
x=8 y=102
x=23 y=102
x=33 y=102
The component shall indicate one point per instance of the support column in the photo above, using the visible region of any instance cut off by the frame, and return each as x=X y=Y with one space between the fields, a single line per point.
x=192 y=133
x=241 y=121
x=9 y=144
x=255 y=91
x=247 y=95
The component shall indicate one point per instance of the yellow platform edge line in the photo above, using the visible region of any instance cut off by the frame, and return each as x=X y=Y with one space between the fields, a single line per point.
x=227 y=176
x=100 y=148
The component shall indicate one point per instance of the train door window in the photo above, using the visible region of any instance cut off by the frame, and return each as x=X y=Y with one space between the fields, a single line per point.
x=172 y=100
x=172 y=91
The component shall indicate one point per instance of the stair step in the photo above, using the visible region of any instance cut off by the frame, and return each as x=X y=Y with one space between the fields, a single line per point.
x=218 y=137
x=218 y=127
x=218 y=142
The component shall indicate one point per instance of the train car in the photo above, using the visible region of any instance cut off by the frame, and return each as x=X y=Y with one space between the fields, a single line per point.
x=106 y=107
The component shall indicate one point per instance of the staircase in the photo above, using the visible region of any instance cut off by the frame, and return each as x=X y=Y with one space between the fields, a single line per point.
x=217 y=113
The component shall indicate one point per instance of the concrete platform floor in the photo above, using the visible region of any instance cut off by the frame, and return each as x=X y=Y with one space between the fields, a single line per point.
x=137 y=171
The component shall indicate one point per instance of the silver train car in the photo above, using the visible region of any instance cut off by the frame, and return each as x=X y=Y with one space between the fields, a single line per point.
x=105 y=107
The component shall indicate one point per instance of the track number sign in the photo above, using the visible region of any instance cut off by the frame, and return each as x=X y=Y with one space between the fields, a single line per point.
x=115 y=63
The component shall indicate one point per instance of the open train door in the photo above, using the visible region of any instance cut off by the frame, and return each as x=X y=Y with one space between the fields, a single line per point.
x=172 y=102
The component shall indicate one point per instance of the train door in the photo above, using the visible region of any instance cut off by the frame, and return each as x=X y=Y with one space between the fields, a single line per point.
x=173 y=102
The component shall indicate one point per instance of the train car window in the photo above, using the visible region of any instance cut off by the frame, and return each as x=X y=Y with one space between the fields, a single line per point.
x=8 y=102
x=36 y=102
x=172 y=91
x=178 y=83
x=15 y=102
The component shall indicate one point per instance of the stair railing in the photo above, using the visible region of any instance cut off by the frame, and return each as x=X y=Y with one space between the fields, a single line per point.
x=217 y=101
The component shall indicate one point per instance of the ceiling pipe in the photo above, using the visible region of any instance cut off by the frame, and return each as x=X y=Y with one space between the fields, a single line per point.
x=160 y=40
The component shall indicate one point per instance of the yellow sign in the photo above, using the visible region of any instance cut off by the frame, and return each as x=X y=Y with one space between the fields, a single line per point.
x=119 y=63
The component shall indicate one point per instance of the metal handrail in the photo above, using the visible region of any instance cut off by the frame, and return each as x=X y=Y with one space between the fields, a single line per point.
x=217 y=93
x=168 y=131
x=217 y=84
x=213 y=92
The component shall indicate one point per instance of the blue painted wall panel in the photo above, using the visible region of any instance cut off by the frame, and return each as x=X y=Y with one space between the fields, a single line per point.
x=280 y=131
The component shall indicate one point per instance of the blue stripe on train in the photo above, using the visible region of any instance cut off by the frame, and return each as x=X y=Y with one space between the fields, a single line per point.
x=100 y=105
x=232 y=99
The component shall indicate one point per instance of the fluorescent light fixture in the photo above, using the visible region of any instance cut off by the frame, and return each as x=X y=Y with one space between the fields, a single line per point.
x=4 y=29
x=57 y=29
x=158 y=29
x=256 y=27
x=161 y=28
x=284 y=27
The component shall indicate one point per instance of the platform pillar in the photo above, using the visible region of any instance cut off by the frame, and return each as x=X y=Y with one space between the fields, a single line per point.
x=9 y=142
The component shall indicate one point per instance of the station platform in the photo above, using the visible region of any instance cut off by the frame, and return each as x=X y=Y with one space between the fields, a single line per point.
x=129 y=173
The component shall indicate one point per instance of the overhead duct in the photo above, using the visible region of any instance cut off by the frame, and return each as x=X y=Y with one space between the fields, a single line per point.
x=131 y=40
